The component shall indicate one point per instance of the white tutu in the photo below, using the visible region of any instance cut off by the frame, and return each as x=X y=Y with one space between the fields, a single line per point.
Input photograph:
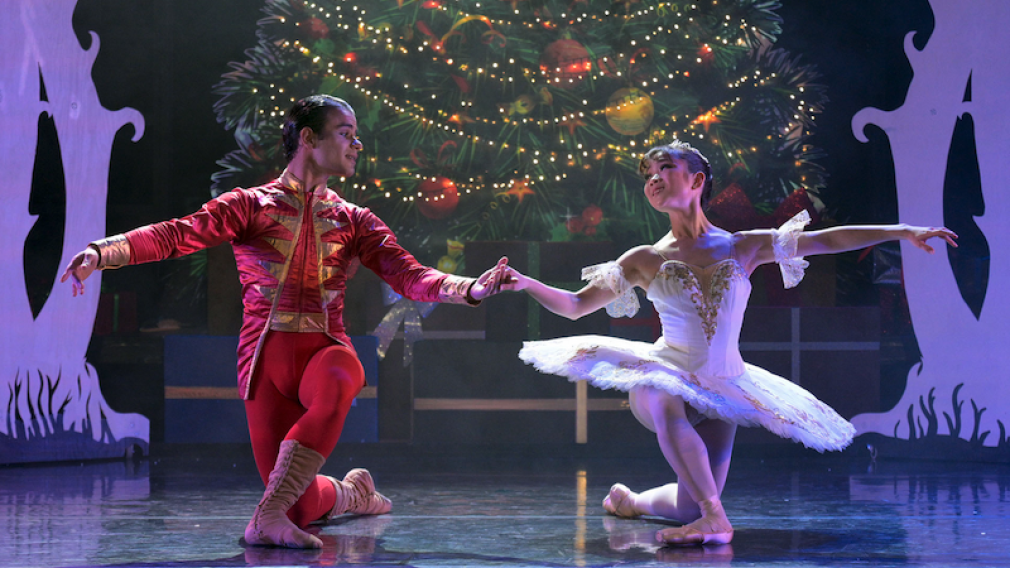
x=698 y=358
x=753 y=398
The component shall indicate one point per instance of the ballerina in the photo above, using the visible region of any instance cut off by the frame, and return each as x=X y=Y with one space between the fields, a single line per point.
x=691 y=387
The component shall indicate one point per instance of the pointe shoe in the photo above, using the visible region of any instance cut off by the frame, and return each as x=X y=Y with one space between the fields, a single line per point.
x=620 y=503
x=294 y=470
x=356 y=494
x=712 y=528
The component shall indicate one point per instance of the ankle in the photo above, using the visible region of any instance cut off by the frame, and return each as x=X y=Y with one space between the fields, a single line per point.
x=640 y=504
x=711 y=505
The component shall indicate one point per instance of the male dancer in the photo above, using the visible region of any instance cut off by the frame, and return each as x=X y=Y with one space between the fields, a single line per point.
x=294 y=239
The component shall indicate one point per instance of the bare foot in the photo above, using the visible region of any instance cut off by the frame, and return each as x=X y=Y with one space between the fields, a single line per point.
x=620 y=502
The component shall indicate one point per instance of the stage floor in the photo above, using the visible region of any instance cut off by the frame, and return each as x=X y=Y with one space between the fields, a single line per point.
x=511 y=508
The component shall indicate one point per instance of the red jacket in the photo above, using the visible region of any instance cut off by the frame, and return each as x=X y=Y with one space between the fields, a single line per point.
x=293 y=248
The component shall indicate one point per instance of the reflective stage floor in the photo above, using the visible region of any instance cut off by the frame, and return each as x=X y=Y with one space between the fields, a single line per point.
x=511 y=508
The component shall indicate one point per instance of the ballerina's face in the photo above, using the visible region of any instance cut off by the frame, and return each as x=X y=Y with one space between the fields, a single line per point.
x=670 y=182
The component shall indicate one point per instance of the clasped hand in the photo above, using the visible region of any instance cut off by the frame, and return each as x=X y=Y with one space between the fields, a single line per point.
x=513 y=280
x=489 y=283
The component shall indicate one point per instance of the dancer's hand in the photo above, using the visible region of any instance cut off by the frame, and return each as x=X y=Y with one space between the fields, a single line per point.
x=489 y=283
x=515 y=281
x=80 y=267
x=919 y=235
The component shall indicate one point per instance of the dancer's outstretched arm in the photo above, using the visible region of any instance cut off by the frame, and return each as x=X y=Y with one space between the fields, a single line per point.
x=574 y=305
x=571 y=305
x=758 y=245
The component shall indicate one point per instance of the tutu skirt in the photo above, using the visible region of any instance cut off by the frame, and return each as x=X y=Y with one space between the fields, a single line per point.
x=753 y=398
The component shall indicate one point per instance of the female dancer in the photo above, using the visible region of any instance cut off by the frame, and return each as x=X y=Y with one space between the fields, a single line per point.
x=691 y=387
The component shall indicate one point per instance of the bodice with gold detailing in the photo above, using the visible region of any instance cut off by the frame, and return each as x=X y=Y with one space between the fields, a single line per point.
x=701 y=311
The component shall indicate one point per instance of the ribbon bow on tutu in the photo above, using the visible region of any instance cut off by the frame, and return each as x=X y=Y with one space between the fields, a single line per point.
x=403 y=310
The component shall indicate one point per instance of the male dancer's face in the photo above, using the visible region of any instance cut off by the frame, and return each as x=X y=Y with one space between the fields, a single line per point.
x=337 y=147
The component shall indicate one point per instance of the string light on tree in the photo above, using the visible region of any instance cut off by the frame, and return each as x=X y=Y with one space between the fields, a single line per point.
x=547 y=106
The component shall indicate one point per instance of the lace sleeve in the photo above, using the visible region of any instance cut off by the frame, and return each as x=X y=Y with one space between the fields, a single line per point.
x=784 y=244
x=610 y=275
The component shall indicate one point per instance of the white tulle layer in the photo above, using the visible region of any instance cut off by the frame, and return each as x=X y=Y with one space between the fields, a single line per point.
x=754 y=398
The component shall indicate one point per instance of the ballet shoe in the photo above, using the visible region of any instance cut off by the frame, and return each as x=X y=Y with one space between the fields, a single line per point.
x=620 y=503
x=370 y=501
x=294 y=471
x=356 y=494
x=712 y=528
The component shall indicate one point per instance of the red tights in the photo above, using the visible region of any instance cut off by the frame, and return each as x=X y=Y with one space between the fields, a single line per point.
x=302 y=390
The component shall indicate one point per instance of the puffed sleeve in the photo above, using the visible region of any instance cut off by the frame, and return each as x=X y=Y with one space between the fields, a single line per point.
x=784 y=242
x=610 y=276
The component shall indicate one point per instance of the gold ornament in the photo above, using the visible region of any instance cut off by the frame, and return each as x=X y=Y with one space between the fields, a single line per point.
x=629 y=111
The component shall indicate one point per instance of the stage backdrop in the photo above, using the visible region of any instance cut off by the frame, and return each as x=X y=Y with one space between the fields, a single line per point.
x=56 y=142
x=949 y=140
x=600 y=90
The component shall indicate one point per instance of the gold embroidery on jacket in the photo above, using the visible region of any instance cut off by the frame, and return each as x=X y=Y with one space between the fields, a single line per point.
x=329 y=249
x=298 y=322
x=282 y=246
x=268 y=292
x=326 y=273
x=324 y=224
x=289 y=222
x=329 y=296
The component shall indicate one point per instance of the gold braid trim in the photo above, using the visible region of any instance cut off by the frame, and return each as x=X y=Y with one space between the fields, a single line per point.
x=113 y=252
x=456 y=290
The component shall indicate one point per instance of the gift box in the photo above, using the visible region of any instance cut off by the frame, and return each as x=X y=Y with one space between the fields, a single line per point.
x=480 y=392
x=203 y=405
x=832 y=352
x=117 y=313
x=516 y=317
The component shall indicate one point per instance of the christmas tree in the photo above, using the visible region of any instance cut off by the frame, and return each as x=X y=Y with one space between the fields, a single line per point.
x=526 y=119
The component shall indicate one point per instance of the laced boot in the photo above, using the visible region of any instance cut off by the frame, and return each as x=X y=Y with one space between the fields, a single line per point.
x=295 y=469
x=356 y=494
x=712 y=528
x=620 y=502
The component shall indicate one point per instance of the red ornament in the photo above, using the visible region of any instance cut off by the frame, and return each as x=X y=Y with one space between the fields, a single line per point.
x=565 y=63
x=575 y=225
x=592 y=216
x=318 y=29
x=706 y=54
x=439 y=197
